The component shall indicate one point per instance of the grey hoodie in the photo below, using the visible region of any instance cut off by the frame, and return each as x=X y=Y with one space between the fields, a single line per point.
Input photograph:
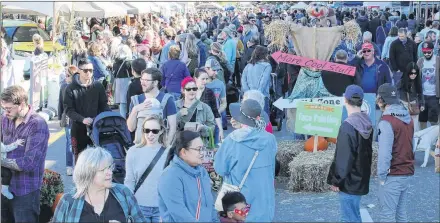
x=386 y=138
x=362 y=123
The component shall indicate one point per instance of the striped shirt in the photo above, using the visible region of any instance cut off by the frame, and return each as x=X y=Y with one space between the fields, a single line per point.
x=31 y=156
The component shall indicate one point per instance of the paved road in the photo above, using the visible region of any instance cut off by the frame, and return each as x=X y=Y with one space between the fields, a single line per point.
x=309 y=207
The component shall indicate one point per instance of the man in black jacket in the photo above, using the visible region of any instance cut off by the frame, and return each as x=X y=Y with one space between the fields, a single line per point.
x=351 y=168
x=374 y=23
x=363 y=21
x=84 y=99
x=336 y=83
x=402 y=52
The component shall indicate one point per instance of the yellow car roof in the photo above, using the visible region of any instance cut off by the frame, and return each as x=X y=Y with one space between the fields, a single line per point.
x=18 y=22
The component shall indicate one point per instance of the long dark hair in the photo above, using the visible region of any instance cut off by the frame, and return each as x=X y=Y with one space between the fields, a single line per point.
x=407 y=82
x=183 y=141
x=260 y=53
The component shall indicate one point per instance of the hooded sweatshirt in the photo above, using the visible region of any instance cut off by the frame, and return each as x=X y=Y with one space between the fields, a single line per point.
x=180 y=188
x=351 y=167
x=233 y=159
x=84 y=101
x=387 y=155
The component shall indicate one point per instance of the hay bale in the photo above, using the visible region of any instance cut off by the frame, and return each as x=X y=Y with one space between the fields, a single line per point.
x=308 y=171
x=287 y=149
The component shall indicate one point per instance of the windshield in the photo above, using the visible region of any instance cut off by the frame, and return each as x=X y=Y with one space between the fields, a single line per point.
x=24 y=34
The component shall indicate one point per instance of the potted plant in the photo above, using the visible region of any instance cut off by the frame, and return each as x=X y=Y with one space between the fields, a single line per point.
x=52 y=186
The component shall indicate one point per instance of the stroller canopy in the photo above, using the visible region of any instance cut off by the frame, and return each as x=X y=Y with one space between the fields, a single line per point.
x=110 y=122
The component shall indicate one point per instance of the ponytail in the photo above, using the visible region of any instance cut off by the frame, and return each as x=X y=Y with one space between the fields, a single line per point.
x=183 y=141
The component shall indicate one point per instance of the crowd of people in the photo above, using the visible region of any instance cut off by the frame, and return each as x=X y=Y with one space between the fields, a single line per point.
x=176 y=86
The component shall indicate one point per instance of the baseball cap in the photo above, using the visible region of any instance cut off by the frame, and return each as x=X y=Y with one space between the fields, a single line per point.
x=213 y=64
x=368 y=46
x=354 y=91
x=388 y=93
x=427 y=46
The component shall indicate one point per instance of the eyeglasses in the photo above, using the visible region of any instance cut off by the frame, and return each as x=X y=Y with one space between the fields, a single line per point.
x=154 y=131
x=8 y=109
x=87 y=70
x=199 y=149
x=366 y=51
x=111 y=168
x=193 y=89
x=243 y=212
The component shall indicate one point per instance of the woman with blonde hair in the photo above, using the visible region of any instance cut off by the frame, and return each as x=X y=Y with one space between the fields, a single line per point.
x=38 y=44
x=147 y=158
x=78 y=50
x=193 y=53
x=95 y=198
x=100 y=72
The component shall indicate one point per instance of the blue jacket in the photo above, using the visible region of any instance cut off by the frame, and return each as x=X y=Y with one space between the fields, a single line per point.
x=230 y=49
x=387 y=46
x=99 y=69
x=203 y=53
x=173 y=72
x=70 y=209
x=257 y=77
x=381 y=35
x=383 y=74
x=179 y=193
x=164 y=53
x=232 y=160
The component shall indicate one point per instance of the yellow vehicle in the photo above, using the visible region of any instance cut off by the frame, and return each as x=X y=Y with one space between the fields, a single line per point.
x=19 y=32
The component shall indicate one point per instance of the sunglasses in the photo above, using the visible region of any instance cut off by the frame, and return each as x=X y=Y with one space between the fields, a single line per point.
x=427 y=52
x=193 y=89
x=366 y=51
x=87 y=70
x=243 y=212
x=154 y=131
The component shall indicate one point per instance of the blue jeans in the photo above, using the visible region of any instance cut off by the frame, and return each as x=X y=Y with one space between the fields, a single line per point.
x=350 y=207
x=152 y=214
x=123 y=109
x=393 y=199
x=69 y=154
x=266 y=106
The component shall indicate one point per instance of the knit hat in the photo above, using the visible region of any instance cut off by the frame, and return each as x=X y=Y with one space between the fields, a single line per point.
x=185 y=81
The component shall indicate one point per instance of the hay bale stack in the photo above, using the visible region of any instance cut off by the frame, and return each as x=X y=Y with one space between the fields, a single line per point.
x=374 y=160
x=308 y=171
x=287 y=149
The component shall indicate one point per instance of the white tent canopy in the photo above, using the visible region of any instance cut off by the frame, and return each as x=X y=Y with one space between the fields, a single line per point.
x=141 y=7
x=29 y=8
x=80 y=9
x=110 y=9
x=299 y=5
x=210 y=5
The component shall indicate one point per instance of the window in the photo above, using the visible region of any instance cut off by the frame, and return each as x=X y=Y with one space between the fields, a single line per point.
x=24 y=34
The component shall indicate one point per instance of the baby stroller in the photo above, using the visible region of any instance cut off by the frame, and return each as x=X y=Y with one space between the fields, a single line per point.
x=110 y=131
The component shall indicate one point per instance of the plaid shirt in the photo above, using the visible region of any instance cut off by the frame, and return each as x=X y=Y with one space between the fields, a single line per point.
x=31 y=156
x=70 y=209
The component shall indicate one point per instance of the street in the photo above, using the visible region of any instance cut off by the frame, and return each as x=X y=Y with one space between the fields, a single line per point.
x=424 y=194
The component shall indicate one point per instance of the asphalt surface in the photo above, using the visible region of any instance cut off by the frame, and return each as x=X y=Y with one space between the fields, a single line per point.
x=424 y=194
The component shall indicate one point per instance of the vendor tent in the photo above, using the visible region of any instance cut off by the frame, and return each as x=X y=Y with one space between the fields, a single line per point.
x=210 y=5
x=29 y=8
x=110 y=9
x=140 y=7
x=10 y=9
x=299 y=5
x=80 y=9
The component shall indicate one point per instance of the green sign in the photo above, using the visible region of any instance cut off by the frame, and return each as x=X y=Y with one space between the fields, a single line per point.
x=318 y=119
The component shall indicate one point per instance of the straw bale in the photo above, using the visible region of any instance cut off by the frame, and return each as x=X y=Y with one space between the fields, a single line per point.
x=308 y=171
x=287 y=149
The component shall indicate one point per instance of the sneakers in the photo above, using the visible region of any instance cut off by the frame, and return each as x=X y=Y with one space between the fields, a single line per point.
x=69 y=171
x=6 y=192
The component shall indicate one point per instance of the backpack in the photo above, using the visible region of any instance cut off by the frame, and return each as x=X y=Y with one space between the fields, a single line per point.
x=143 y=114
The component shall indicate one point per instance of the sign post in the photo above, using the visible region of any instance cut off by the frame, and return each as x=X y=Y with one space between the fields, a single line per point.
x=318 y=120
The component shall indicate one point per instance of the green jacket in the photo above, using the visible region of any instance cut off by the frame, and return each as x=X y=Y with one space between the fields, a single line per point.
x=203 y=115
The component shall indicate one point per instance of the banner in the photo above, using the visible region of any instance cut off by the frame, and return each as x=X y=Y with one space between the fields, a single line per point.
x=280 y=57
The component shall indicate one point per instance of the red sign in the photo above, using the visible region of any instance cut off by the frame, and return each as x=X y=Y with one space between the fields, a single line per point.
x=280 y=57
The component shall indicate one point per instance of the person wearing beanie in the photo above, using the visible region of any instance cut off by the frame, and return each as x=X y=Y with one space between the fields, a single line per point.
x=350 y=170
x=395 y=164
x=229 y=47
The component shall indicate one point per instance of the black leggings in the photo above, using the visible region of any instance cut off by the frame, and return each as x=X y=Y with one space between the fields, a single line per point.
x=80 y=139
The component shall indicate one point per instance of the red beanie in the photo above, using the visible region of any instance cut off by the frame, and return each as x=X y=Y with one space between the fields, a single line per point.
x=186 y=81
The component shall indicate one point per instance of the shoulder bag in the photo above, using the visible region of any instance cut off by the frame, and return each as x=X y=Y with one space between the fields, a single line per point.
x=413 y=107
x=149 y=169
x=232 y=188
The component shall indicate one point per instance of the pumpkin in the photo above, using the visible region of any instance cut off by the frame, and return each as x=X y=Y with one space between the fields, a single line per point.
x=332 y=140
x=322 y=144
